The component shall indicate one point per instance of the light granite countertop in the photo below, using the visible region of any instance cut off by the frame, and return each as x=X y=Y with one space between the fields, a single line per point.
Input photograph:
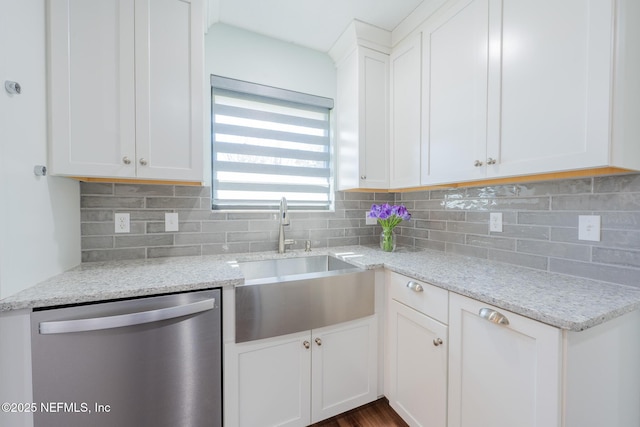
x=562 y=301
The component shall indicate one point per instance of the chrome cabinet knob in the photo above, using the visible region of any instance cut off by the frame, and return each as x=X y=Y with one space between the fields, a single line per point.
x=437 y=342
x=477 y=163
x=318 y=341
x=12 y=88
x=363 y=177
x=126 y=160
x=143 y=161
x=306 y=344
x=491 y=161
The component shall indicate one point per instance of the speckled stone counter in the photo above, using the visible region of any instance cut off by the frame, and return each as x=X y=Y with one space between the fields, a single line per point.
x=562 y=301
x=102 y=281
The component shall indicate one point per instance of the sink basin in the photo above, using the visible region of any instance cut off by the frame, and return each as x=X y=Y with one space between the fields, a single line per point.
x=287 y=295
x=280 y=269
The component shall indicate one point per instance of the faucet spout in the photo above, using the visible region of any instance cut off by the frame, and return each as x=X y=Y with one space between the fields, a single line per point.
x=284 y=215
x=284 y=221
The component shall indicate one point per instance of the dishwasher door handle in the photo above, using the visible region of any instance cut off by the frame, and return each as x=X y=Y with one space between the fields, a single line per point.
x=139 y=318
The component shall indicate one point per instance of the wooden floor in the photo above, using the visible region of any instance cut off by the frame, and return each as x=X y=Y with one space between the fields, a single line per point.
x=374 y=414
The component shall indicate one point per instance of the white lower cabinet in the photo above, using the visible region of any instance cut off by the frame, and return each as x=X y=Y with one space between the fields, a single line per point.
x=417 y=351
x=418 y=366
x=301 y=378
x=504 y=369
x=500 y=369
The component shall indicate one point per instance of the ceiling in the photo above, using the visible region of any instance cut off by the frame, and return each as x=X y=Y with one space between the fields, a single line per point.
x=315 y=24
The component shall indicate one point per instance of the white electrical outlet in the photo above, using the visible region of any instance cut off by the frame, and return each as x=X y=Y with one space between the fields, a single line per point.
x=171 y=221
x=495 y=222
x=589 y=227
x=370 y=221
x=122 y=222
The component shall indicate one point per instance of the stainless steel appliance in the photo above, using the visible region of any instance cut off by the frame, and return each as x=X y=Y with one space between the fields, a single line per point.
x=153 y=361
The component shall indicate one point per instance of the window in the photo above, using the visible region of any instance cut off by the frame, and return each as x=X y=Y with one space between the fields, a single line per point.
x=268 y=143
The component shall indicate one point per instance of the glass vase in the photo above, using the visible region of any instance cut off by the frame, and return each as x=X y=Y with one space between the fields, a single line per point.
x=388 y=240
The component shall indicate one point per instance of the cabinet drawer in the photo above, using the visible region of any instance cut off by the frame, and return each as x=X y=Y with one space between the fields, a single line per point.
x=425 y=298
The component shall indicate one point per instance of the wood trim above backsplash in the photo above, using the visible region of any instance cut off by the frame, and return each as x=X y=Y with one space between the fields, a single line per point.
x=138 y=181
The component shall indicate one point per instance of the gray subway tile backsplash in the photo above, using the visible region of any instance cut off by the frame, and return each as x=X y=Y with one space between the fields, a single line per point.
x=540 y=223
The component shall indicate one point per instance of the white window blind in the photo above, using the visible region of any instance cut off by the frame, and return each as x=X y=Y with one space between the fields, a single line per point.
x=268 y=143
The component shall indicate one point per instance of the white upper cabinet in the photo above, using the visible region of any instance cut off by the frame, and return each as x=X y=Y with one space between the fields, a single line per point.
x=362 y=107
x=528 y=87
x=405 y=74
x=126 y=81
x=550 y=106
x=455 y=93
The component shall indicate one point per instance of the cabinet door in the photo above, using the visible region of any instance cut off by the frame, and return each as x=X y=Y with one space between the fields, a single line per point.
x=555 y=76
x=374 y=119
x=345 y=367
x=268 y=382
x=347 y=123
x=169 y=89
x=91 y=88
x=404 y=150
x=418 y=366
x=501 y=375
x=454 y=103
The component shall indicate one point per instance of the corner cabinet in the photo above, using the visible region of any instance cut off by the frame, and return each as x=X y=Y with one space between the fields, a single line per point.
x=302 y=378
x=126 y=88
x=529 y=87
x=362 y=107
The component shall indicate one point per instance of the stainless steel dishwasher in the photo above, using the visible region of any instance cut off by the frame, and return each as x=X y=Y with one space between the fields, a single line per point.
x=153 y=361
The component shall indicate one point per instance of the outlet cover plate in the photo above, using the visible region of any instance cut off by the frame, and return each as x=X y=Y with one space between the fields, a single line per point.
x=171 y=221
x=589 y=227
x=122 y=221
x=370 y=221
x=495 y=222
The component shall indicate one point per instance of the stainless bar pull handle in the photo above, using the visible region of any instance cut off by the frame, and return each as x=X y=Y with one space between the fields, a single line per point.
x=493 y=316
x=110 y=322
x=414 y=286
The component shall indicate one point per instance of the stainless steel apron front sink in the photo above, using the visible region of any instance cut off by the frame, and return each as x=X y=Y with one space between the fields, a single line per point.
x=287 y=295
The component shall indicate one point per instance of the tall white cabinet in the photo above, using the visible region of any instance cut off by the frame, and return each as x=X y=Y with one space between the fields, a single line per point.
x=361 y=56
x=126 y=88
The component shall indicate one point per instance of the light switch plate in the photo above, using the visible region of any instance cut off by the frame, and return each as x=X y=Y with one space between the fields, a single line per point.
x=589 y=227
x=122 y=222
x=495 y=222
x=171 y=221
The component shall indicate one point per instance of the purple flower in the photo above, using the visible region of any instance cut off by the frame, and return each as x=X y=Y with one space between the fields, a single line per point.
x=389 y=216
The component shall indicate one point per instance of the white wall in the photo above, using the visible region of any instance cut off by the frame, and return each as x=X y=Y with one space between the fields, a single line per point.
x=239 y=54
x=39 y=216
